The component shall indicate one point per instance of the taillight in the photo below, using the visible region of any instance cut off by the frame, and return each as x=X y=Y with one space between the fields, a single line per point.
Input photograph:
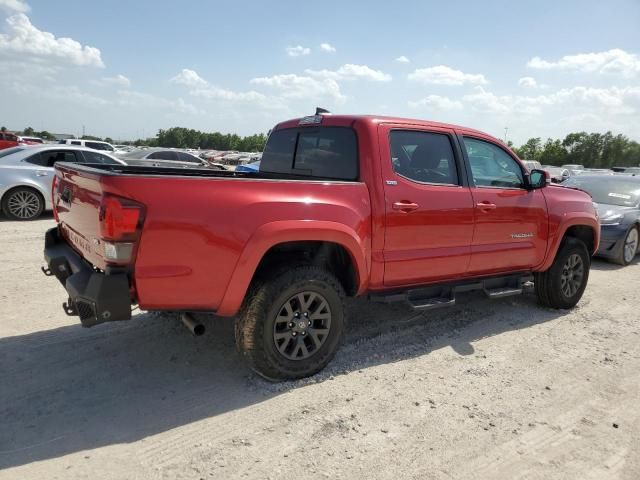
x=120 y=226
x=120 y=218
x=54 y=193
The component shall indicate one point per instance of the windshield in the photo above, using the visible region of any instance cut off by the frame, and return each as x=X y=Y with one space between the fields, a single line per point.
x=623 y=193
x=9 y=151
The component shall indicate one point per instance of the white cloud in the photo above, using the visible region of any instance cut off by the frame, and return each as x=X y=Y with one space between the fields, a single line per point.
x=528 y=82
x=402 y=59
x=14 y=6
x=129 y=98
x=298 y=51
x=118 y=81
x=615 y=61
x=199 y=87
x=350 y=71
x=327 y=47
x=436 y=102
x=613 y=100
x=296 y=87
x=27 y=42
x=189 y=78
x=443 y=75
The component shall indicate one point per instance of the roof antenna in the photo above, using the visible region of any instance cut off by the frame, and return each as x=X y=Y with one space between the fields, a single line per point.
x=322 y=111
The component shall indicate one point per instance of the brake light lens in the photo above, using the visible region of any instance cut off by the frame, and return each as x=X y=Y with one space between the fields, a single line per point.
x=54 y=193
x=120 y=218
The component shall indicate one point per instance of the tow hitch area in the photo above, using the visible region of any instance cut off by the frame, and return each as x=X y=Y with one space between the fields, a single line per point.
x=94 y=296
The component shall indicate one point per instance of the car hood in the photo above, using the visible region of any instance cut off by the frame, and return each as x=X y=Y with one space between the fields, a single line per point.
x=606 y=210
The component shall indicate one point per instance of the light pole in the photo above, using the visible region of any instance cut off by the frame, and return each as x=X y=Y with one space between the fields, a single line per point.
x=506 y=129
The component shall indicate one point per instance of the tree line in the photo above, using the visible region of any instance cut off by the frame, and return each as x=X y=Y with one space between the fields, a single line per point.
x=593 y=150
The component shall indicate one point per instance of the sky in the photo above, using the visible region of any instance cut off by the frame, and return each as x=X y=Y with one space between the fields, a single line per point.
x=126 y=69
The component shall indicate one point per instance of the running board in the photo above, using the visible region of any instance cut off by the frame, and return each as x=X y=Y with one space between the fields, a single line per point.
x=444 y=295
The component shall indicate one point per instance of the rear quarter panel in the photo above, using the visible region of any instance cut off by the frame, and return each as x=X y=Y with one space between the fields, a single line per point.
x=204 y=237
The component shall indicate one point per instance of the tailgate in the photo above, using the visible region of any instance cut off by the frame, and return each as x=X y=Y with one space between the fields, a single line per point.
x=76 y=201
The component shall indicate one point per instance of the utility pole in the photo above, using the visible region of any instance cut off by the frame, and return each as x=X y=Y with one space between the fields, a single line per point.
x=82 y=131
x=506 y=129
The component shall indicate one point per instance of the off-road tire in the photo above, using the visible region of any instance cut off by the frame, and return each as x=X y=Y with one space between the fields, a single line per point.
x=548 y=285
x=254 y=327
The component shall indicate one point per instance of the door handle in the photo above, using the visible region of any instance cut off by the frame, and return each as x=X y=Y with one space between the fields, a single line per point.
x=486 y=206
x=405 y=206
x=41 y=173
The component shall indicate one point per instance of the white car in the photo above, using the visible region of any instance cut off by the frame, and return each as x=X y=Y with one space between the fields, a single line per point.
x=94 y=144
x=26 y=173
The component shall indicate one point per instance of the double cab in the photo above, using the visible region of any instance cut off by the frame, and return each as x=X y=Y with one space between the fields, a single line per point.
x=342 y=205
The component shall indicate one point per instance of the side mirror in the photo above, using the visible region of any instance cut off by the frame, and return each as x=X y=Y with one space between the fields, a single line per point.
x=538 y=179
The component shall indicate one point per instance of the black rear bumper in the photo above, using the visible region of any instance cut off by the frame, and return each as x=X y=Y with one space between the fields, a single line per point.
x=94 y=296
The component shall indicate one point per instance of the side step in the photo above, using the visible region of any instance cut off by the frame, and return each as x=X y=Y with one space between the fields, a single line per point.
x=502 y=292
x=431 y=303
x=444 y=295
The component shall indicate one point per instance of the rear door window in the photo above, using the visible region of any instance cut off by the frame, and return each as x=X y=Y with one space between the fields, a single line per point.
x=424 y=157
x=326 y=152
x=164 y=155
x=50 y=158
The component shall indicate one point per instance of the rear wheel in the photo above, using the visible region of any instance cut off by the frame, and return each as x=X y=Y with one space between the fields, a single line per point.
x=22 y=203
x=629 y=247
x=563 y=284
x=291 y=325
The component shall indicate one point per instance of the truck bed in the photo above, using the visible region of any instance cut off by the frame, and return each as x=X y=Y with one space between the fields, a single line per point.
x=198 y=224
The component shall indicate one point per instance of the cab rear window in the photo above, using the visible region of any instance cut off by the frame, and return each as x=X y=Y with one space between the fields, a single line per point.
x=324 y=153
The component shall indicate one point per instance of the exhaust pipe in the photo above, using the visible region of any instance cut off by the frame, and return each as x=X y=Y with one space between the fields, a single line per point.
x=194 y=326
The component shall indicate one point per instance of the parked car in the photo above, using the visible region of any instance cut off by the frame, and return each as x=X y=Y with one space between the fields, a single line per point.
x=532 y=164
x=342 y=205
x=557 y=174
x=165 y=157
x=93 y=144
x=31 y=140
x=249 y=167
x=26 y=173
x=8 y=140
x=618 y=199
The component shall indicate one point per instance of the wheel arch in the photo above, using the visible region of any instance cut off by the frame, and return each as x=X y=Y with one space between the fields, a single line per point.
x=329 y=244
x=584 y=229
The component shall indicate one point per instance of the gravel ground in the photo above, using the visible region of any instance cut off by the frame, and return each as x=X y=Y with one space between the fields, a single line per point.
x=489 y=389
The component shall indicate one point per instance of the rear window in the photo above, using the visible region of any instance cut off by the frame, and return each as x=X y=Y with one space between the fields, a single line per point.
x=163 y=155
x=185 y=157
x=51 y=157
x=9 y=151
x=95 y=157
x=327 y=152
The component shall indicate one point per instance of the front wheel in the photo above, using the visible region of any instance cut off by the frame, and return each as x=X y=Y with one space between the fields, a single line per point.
x=563 y=284
x=629 y=247
x=291 y=325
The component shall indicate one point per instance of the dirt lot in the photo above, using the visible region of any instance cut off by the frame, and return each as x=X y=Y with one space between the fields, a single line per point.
x=487 y=389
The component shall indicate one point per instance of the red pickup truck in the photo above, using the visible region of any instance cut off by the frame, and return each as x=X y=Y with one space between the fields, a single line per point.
x=342 y=205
